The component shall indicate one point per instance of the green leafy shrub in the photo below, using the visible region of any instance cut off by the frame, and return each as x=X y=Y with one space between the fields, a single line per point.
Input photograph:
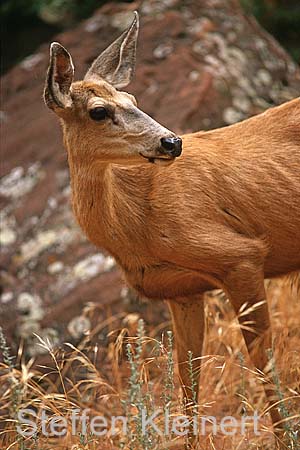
x=281 y=18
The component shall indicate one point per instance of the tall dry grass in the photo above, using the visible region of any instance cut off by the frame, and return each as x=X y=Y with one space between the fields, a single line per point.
x=137 y=372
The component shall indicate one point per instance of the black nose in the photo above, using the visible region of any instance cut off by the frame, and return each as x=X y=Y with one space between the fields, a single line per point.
x=171 y=146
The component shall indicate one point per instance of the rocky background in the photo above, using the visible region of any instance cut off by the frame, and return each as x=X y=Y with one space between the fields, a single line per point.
x=201 y=64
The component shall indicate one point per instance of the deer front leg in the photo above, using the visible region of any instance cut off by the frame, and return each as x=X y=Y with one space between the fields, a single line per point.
x=188 y=325
x=246 y=285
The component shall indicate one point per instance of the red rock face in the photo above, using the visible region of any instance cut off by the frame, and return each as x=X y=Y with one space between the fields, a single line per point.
x=200 y=65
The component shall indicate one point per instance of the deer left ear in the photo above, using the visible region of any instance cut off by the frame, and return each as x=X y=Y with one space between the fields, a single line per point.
x=116 y=64
x=59 y=78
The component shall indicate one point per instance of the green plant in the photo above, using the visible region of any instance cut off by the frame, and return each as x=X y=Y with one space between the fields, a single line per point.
x=139 y=399
x=281 y=18
x=16 y=390
x=283 y=408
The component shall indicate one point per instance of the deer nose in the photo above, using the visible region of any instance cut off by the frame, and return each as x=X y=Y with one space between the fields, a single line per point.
x=171 y=146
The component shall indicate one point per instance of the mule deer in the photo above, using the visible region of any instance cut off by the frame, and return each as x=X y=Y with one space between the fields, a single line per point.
x=225 y=214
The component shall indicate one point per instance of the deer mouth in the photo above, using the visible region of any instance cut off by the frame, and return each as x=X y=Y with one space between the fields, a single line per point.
x=160 y=160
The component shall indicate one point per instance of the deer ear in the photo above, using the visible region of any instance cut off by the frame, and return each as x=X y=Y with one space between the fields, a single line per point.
x=59 y=78
x=116 y=64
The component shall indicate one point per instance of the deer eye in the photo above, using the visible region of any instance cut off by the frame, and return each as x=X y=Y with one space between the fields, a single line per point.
x=98 y=113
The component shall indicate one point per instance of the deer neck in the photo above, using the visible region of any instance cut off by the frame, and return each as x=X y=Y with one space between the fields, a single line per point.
x=110 y=204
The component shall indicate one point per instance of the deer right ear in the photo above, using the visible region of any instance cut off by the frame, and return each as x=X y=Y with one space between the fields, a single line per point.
x=59 y=78
x=116 y=64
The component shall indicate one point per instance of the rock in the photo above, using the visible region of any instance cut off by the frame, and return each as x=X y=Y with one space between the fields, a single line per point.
x=18 y=183
x=79 y=326
x=7 y=236
x=28 y=328
x=55 y=267
x=194 y=75
x=162 y=51
x=31 y=61
x=3 y=117
x=97 y=22
x=43 y=240
x=196 y=66
x=121 y=20
x=7 y=297
x=264 y=76
x=241 y=103
x=33 y=247
x=30 y=306
x=42 y=342
x=92 y=266
x=231 y=115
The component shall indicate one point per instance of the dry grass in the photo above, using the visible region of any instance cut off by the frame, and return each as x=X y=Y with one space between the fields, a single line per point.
x=137 y=373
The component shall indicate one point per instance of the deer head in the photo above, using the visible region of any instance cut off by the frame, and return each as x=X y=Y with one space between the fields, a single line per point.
x=100 y=122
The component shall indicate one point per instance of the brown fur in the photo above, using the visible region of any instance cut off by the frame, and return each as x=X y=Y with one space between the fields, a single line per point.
x=233 y=196
x=225 y=214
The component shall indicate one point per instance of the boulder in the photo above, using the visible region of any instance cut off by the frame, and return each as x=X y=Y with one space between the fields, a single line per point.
x=200 y=65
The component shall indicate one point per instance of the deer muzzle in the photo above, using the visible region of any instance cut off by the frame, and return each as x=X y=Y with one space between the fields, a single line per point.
x=171 y=146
